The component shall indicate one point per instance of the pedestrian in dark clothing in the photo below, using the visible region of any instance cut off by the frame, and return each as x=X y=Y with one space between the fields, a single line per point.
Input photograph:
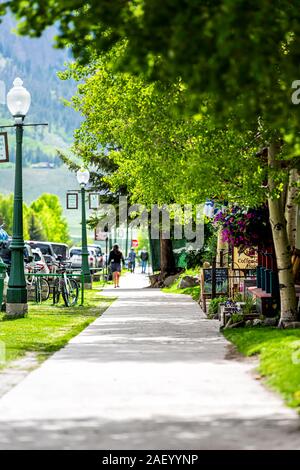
x=115 y=259
x=131 y=258
x=144 y=259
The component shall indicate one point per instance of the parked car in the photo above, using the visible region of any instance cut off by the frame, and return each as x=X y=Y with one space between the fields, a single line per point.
x=76 y=257
x=45 y=247
x=39 y=261
x=5 y=253
x=61 y=249
x=48 y=253
x=98 y=254
x=6 y=280
x=92 y=258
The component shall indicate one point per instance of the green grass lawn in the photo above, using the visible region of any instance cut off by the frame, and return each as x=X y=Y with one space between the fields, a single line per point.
x=48 y=328
x=279 y=357
x=194 y=292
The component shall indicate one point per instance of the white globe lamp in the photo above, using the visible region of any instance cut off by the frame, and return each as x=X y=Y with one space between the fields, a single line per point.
x=83 y=176
x=18 y=100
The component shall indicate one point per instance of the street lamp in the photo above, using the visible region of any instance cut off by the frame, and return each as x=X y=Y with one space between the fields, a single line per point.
x=18 y=103
x=83 y=176
x=106 y=251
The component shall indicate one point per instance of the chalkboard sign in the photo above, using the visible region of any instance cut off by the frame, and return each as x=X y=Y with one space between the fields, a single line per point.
x=221 y=281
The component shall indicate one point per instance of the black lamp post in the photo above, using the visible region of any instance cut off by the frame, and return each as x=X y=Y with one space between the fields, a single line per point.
x=18 y=102
x=106 y=251
x=83 y=176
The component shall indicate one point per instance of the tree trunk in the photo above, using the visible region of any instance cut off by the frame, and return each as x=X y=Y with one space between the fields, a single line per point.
x=282 y=248
x=167 y=262
x=291 y=207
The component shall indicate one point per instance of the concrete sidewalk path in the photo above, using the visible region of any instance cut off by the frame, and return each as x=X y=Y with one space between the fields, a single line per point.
x=151 y=373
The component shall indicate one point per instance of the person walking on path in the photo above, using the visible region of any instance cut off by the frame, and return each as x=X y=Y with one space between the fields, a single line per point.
x=115 y=259
x=132 y=258
x=144 y=259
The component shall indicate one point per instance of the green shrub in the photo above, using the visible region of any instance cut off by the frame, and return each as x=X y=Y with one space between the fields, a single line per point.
x=213 y=305
x=249 y=304
x=238 y=297
x=237 y=317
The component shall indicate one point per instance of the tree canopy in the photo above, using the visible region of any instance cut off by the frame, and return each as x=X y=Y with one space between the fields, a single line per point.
x=49 y=211
x=200 y=87
x=43 y=219
x=160 y=153
x=246 y=55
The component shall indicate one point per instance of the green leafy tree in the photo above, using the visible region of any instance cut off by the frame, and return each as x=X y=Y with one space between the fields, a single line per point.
x=6 y=214
x=35 y=227
x=162 y=155
x=48 y=210
x=244 y=57
x=43 y=220
x=134 y=125
x=203 y=42
x=141 y=137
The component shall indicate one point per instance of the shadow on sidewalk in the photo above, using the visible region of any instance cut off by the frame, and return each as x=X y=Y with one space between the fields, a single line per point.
x=157 y=432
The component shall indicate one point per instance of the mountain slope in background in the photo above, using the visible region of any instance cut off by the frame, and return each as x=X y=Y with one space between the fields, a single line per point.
x=37 y=63
x=38 y=181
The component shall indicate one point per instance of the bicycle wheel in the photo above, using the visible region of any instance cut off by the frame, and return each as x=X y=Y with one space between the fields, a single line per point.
x=30 y=286
x=45 y=289
x=70 y=292
x=56 y=291
x=38 y=290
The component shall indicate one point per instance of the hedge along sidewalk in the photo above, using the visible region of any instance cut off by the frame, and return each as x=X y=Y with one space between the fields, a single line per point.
x=48 y=328
x=279 y=357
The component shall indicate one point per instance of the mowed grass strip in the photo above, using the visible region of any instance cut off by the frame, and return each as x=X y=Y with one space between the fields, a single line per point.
x=48 y=328
x=194 y=292
x=279 y=357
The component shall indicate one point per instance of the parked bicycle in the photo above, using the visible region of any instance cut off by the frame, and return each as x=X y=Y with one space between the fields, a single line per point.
x=66 y=286
x=38 y=285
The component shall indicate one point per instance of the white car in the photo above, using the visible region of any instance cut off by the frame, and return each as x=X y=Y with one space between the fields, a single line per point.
x=5 y=287
x=76 y=257
x=39 y=261
x=99 y=255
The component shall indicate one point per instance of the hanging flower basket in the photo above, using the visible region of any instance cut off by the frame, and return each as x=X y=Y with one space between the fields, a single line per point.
x=245 y=228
